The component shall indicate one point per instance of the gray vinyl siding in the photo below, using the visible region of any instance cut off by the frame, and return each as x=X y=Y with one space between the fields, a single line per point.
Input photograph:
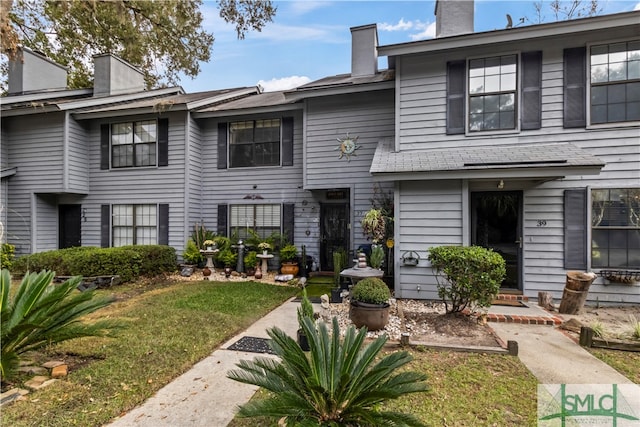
x=193 y=173
x=77 y=174
x=144 y=185
x=46 y=223
x=429 y=214
x=421 y=119
x=370 y=117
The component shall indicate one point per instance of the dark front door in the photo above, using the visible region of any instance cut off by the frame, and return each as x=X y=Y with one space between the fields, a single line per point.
x=334 y=232
x=496 y=223
x=70 y=217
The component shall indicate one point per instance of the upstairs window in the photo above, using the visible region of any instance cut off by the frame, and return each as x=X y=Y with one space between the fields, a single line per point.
x=615 y=82
x=133 y=144
x=615 y=233
x=254 y=143
x=492 y=89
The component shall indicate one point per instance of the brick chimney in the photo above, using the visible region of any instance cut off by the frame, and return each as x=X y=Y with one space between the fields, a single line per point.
x=115 y=76
x=364 y=50
x=30 y=71
x=453 y=17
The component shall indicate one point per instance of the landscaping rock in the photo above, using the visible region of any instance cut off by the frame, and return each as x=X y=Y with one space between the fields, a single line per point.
x=12 y=395
x=33 y=370
x=52 y=364
x=59 y=371
x=36 y=382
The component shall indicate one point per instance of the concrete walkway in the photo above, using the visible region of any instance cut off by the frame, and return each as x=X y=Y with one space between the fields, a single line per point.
x=204 y=396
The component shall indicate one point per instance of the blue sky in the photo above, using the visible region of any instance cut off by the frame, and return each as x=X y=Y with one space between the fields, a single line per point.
x=308 y=40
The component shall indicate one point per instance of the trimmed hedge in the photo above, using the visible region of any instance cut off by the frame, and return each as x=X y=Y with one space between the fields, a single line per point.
x=371 y=290
x=473 y=275
x=128 y=262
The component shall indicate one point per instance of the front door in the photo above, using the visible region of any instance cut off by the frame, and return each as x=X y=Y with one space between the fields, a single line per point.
x=496 y=223
x=69 y=217
x=334 y=232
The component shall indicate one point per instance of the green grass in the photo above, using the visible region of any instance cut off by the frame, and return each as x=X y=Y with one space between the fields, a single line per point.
x=317 y=289
x=466 y=389
x=625 y=362
x=170 y=328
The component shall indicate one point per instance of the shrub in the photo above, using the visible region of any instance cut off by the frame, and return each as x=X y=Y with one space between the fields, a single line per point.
x=6 y=257
x=155 y=259
x=371 y=291
x=200 y=234
x=341 y=382
x=61 y=261
x=472 y=274
x=288 y=253
x=228 y=257
x=40 y=313
x=191 y=254
x=251 y=259
x=377 y=256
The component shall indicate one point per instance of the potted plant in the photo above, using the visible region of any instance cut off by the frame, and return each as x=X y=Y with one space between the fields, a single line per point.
x=228 y=258
x=208 y=244
x=289 y=259
x=191 y=254
x=265 y=247
x=377 y=257
x=250 y=262
x=370 y=304
x=305 y=311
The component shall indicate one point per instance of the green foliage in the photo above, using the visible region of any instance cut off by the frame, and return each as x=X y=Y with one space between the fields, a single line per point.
x=635 y=326
x=337 y=268
x=155 y=259
x=165 y=39
x=305 y=311
x=7 y=255
x=598 y=328
x=251 y=259
x=191 y=254
x=377 y=256
x=472 y=274
x=40 y=313
x=342 y=382
x=371 y=290
x=373 y=225
x=200 y=235
x=288 y=253
x=228 y=257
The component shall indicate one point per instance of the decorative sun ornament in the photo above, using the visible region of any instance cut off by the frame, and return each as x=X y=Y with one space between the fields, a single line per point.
x=348 y=146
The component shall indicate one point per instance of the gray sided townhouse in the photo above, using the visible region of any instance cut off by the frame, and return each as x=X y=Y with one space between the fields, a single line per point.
x=525 y=140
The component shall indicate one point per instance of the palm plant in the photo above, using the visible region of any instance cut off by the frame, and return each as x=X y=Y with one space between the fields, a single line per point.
x=40 y=313
x=340 y=383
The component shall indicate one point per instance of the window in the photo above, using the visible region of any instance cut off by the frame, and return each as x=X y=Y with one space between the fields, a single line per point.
x=254 y=143
x=133 y=144
x=263 y=219
x=615 y=221
x=492 y=93
x=134 y=225
x=615 y=82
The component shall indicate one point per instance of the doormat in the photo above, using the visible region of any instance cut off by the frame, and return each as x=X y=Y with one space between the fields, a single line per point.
x=314 y=300
x=252 y=345
x=508 y=303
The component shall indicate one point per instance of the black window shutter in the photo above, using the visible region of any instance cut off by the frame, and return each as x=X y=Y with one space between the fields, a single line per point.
x=575 y=229
x=288 y=221
x=531 y=116
x=287 y=141
x=222 y=145
x=104 y=146
x=222 y=219
x=575 y=109
x=163 y=142
x=105 y=225
x=456 y=75
x=163 y=224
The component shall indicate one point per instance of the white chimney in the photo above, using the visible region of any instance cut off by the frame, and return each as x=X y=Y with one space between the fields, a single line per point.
x=114 y=76
x=364 y=50
x=32 y=72
x=454 y=17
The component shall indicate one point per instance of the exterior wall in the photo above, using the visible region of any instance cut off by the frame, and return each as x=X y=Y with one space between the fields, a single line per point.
x=76 y=173
x=45 y=218
x=193 y=177
x=368 y=116
x=421 y=118
x=142 y=185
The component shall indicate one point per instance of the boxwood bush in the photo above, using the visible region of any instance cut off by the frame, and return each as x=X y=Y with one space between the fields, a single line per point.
x=472 y=275
x=129 y=262
x=371 y=291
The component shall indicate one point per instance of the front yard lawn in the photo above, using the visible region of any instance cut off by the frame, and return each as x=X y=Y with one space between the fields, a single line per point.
x=625 y=362
x=169 y=328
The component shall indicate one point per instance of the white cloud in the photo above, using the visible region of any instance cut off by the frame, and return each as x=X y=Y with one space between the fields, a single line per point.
x=428 y=31
x=402 y=25
x=283 y=83
x=637 y=6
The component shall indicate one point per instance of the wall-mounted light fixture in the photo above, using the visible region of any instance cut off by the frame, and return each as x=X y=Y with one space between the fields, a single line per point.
x=84 y=214
x=501 y=185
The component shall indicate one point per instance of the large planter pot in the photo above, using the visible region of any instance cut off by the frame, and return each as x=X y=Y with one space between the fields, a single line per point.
x=290 y=268
x=373 y=316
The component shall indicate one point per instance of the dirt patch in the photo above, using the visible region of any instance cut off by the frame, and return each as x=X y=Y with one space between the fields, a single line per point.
x=616 y=322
